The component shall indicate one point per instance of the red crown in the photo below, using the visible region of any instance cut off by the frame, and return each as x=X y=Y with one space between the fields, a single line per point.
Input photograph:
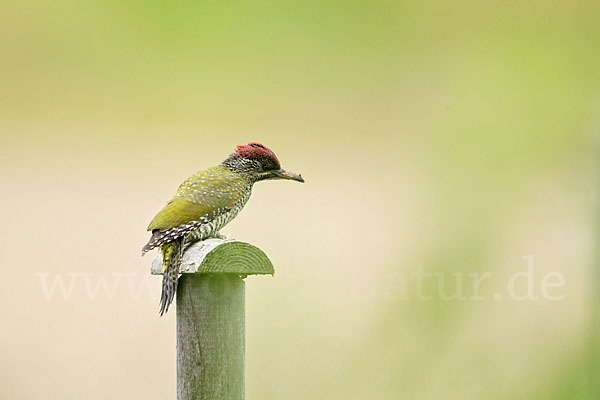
x=255 y=150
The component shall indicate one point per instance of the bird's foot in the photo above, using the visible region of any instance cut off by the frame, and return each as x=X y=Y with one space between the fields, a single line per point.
x=219 y=235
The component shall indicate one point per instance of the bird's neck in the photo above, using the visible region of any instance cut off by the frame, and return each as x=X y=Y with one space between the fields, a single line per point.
x=241 y=166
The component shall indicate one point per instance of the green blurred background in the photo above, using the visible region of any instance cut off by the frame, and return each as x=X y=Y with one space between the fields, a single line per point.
x=455 y=136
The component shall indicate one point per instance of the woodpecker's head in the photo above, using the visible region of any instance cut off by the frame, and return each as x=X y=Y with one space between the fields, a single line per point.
x=257 y=163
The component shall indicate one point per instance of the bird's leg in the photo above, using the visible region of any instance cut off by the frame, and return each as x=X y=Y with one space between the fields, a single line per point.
x=219 y=235
x=188 y=241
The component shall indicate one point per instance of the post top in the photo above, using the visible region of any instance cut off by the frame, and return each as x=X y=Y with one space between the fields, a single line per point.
x=221 y=256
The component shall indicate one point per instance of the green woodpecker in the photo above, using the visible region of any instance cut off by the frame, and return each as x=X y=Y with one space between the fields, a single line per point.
x=204 y=203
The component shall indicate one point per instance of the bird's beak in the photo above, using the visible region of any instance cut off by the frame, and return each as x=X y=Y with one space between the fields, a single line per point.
x=285 y=174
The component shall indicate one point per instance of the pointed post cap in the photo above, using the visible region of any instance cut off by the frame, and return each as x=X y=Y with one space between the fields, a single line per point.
x=221 y=256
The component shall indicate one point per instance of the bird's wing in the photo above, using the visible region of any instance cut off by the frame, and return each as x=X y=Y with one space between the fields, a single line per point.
x=207 y=191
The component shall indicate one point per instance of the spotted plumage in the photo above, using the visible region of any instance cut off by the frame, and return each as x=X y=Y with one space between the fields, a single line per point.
x=207 y=201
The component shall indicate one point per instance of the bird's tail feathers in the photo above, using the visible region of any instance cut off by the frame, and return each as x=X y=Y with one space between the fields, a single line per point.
x=172 y=253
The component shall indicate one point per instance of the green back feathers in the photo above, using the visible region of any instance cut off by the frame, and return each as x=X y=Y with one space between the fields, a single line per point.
x=200 y=194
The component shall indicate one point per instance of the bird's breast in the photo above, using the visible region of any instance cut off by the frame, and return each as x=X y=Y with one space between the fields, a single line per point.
x=210 y=228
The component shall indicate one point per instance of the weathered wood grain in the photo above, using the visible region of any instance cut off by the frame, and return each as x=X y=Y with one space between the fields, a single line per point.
x=211 y=317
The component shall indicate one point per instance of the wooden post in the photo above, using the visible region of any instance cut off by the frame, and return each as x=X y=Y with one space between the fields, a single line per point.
x=211 y=317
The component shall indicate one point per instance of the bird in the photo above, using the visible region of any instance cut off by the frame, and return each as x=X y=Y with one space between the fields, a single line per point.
x=204 y=203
